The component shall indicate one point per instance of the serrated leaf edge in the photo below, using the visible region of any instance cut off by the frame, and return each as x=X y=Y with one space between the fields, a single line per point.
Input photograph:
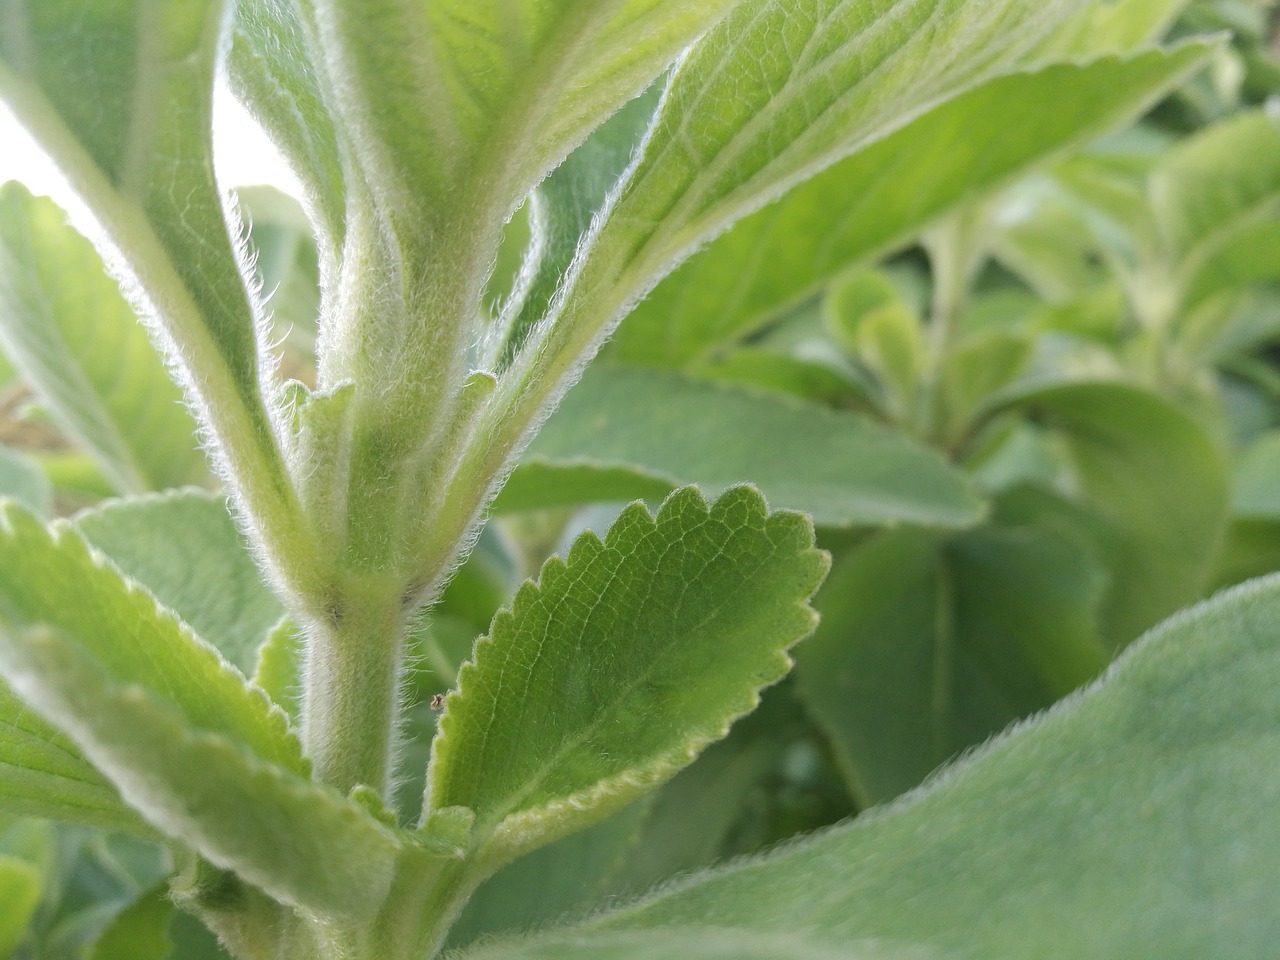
x=15 y=520
x=519 y=831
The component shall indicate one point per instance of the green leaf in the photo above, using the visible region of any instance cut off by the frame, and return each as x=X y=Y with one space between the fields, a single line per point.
x=22 y=479
x=205 y=789
x=708 y=944
x=1134 y=820
x=621 y=663
x=271 y=70
x=42 y=774
x=139 y=931
x=1157 y=485
x=1107 y=25
x=564 y=877
x=482 y=99
x=19 y=896
x=775 y=93
x=185 y=548
x=1211 y=186
x=77 y=341
x=50 y=578
x=928 y=648
x=625 y=433
x=885 y=193
x=137 y=152
x=188 y=743
x=1244 y=258
x=145 y=130
x=563 y=208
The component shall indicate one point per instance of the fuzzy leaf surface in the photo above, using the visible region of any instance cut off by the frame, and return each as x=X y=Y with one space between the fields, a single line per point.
x=147 y=129
x=137 y=151
x=78 y=342
x=489 y=93
x=43 y=774
x=271 y=70
x=203 y=756
x=184 y=546
x=205 y=789
x=883 y=194
x=1133 y=820
x=120 y=627
x=777 y=92
x=620 y=664
x=624 y=433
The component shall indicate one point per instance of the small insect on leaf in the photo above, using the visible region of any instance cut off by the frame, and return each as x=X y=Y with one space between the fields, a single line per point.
x=437 y=701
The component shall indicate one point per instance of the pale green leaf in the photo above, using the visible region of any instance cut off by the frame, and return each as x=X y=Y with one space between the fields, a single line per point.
x=1155 y=483
x=146 y=129
x=624 y=433
x=120 y=95
x=42 y=774
x=621 y=664
x=1133 y=821
x=708 y=943
x=204 y=789
x=271 y=70
x=927 y=648
x=185 y=548
x=778 y=92
x=203 y=756
x=19 y=896
x=76 y=340
x=1214 y=185
x=1247 y=257
x=279 y=671
x=884 y=194
x=50 y=578
x=1112 y=25
x=480 y=99
x=22 y=479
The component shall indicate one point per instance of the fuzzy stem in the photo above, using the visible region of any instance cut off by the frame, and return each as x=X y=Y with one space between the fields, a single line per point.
x=352 y=688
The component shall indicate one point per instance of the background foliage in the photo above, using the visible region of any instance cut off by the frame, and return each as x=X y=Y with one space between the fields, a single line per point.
x=1013 y=350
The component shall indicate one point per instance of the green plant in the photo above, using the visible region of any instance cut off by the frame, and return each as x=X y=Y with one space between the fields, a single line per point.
x=492 y=187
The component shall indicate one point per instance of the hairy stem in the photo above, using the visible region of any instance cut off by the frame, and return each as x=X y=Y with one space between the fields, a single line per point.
x=351 y=688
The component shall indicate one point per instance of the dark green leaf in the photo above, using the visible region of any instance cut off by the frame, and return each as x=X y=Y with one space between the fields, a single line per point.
x=927 y=648
x=625 y=433
x=1156 y=483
